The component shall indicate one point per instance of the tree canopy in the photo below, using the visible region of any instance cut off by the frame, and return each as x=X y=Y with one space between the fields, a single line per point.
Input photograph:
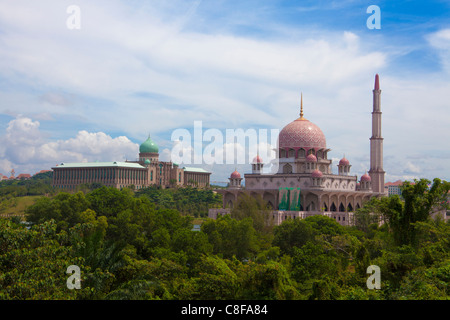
x=138 y=245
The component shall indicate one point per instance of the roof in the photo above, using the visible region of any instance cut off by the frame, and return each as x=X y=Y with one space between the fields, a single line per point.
x=43 y=171
x=99 y=164
x=192 y=169
x=396 y=183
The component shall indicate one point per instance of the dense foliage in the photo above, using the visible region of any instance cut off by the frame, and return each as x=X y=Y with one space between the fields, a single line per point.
x=139 y=246
x=39 y=184
x=188 y=200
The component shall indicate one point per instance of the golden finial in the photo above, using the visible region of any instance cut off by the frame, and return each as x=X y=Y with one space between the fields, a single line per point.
x=301 y=107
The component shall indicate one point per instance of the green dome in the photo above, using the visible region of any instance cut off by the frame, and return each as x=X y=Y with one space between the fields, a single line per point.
x=147 y=161
x=148 y=146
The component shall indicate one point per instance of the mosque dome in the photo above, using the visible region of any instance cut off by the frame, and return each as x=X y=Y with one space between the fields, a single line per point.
x=148 y=146
x=344 y=162
x=302 y=133
x=316 y=174
x=257 y=159
x=147 y=161
x=365 y=177
x=311 y=158
x=235 y=175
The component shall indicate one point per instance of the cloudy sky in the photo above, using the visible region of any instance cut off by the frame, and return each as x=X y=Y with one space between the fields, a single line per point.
x=135 y=68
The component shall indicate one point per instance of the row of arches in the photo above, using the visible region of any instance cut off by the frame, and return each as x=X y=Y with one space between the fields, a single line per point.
x=309 y=201
x=302 y=153
x=341 y=208
x=302 y=168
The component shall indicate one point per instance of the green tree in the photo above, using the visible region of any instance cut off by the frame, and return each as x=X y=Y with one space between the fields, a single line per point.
x=313 y=261
x=256 y=208
x=33 y=263
x=230 y=237
x=419 y=202
x=292 y=233
x=270 y=281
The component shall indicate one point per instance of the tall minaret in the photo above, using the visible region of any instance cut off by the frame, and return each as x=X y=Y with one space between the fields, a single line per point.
x=376 y=171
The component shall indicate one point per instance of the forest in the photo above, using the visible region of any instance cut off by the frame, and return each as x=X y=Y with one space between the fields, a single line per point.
x=132 y=245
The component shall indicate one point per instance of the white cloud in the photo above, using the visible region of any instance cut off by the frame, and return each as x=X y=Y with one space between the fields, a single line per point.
x=411 y=168
x=124 y=51
x=227 y=80
x=440 y=40
x=25 y=149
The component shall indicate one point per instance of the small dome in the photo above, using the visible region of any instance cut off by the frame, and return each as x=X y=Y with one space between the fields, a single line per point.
x=257 y=159
x=148 y=146
x=147 y=161
x=316 y=174
x=235 y=175
x=311 y=158
x=344 y=162
x=365 y=177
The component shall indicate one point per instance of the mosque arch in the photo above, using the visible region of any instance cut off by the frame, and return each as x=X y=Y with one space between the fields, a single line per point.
x=311 y=206
x=301 y=153
x=319 y=154
x=349 y=207
x=282 y=153
x=341 y=208
x=254 y=194
x=333 y=207
x=287 y=168
x=270 y=199
x=291 y=153
x=229 y=200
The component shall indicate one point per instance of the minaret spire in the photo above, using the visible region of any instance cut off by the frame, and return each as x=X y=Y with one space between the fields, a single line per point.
x=301 y=107
x=376 y=171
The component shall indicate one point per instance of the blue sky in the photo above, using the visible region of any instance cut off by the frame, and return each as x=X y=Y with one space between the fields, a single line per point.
x=151 y=67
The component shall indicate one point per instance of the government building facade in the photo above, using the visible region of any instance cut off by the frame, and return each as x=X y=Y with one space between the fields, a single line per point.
x=305 y=184
x=146 y=171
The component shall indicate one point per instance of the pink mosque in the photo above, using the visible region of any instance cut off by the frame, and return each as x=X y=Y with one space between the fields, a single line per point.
x=305 y=184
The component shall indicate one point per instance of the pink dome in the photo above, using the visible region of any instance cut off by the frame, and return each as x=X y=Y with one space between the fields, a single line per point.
x=235 y=175
x=302 y=133
x=257 y=159
x=344 y=162
x=311 y=158
x=365 y=177
x=316 y=174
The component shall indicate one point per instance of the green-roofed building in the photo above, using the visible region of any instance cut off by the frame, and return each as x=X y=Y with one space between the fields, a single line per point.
x=146 y=171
